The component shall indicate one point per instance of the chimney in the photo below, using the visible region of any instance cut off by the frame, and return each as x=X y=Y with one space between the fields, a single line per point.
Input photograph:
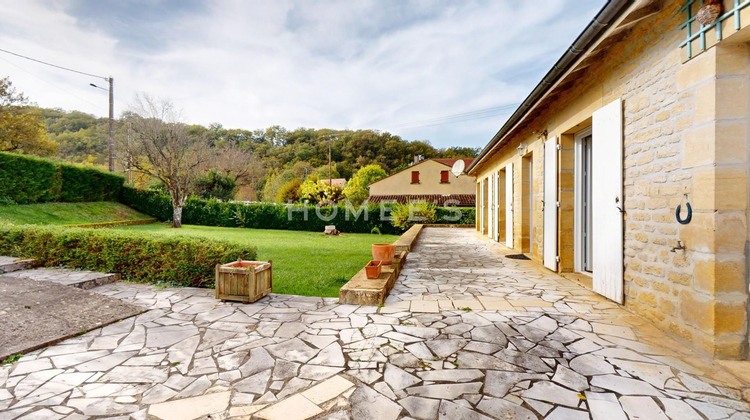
x=416 y=158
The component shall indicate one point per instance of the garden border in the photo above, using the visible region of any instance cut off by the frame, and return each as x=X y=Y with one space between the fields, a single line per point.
x=363 y=291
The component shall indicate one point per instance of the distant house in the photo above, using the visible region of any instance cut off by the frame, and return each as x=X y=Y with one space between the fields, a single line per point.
x=428 y=180
x=336 y=182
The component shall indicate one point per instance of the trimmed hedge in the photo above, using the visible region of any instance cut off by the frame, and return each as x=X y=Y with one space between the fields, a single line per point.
x=277 y=216
x=138 y=257
x=27 y=179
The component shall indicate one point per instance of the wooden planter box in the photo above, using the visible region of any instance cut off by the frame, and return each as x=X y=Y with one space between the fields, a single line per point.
x=243 y=281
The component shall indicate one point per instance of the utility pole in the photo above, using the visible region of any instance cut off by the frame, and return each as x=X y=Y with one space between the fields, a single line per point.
x=111 y=124
x=111 y=100
x=330 y=145
x=111 y=81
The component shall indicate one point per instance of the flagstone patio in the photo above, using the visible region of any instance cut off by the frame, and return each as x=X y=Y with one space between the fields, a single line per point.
x=507 y=340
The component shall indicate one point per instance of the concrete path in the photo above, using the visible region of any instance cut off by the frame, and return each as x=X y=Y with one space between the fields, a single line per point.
x=557 y=351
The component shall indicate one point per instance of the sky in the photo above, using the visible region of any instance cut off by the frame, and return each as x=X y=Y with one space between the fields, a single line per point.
x=449 y=72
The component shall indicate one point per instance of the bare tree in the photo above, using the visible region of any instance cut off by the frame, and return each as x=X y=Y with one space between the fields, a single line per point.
x=161 y=147
x=241 y=165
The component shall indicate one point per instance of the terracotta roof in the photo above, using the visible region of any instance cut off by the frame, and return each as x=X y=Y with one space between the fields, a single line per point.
x=461 y=200
x=450 y=162
x=337 y=182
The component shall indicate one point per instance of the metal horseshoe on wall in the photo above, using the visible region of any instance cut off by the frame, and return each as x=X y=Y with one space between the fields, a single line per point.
x=689 y=217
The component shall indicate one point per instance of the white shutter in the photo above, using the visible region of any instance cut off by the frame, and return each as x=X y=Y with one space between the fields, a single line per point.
x=490 y=205
x=496 y=195
x=606 y=195
x=509 y=205
x=550 y=204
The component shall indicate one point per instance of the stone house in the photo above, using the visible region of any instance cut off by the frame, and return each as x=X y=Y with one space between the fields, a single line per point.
x=628 y=165
x=427 y=180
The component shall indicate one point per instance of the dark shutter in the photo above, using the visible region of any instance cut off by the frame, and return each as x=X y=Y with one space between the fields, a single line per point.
x=444 y=177
x=415 y=177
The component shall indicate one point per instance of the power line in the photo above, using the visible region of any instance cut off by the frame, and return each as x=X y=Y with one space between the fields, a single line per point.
x=53 y=65
x=54 y=85
x=452 y=122
x=460 y=117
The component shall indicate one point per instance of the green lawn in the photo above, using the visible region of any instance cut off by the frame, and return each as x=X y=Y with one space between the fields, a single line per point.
x=67 y=213
x=304 y=263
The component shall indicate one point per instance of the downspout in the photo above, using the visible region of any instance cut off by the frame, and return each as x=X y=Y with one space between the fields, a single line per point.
x=593 y=30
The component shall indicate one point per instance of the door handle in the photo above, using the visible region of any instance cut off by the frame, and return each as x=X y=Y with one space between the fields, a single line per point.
x=617 y=200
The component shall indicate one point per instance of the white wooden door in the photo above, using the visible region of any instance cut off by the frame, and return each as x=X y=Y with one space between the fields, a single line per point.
x=496 y=201
x=606 y=197
x=509 y=205
x=550 y=204
x=490 y=205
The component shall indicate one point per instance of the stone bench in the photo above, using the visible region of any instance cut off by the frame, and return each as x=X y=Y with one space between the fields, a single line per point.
x=363 y=291
x=407 y=241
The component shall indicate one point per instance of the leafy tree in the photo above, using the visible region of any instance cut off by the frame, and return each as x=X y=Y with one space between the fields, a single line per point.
x=289 y=192
x=21 y=125
x=162 y=147
x=318 y=191
x=358 y=187
x=460 y=152
x=214 y=184
x=274 y=183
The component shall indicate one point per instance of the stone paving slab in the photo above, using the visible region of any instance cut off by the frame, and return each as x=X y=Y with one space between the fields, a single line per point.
x=81 y=279
x=10 y=264
x=195 y=355
x=35 y=314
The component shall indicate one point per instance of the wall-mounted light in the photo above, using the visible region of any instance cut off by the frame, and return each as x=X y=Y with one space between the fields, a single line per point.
x=521 y=149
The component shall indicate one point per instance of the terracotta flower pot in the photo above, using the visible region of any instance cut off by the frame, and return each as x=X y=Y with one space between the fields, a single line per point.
x=372 y=269
x=384 y=253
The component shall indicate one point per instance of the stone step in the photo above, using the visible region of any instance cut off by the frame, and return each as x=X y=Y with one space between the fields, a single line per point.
x=10 y=264
x=76 y=278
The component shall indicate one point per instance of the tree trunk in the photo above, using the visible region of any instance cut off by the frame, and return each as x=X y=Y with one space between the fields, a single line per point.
x=177 y=216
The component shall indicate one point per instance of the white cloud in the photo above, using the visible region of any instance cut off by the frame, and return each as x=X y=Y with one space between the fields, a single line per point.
x=338 y=64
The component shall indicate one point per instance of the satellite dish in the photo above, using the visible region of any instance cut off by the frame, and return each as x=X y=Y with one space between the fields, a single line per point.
x=458 y=167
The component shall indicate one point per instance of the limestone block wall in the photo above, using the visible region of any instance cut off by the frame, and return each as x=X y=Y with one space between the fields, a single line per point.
x=685 y=129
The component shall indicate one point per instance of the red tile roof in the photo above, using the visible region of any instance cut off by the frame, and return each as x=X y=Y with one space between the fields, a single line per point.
x=460 y=200
x=450 y=162
x=337 y=182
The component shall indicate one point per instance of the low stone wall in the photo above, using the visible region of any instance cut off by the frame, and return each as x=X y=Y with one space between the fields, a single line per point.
x=407 y=241
x=363 y=291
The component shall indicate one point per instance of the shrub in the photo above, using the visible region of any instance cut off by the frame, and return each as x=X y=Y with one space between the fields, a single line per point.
x=289 y=192
x=153 y=203
x=26 y=179
x=137 y=256
x=80 y=184
x=214 y=184
x=450 y=215
x=407 y=215
x=277 y=216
